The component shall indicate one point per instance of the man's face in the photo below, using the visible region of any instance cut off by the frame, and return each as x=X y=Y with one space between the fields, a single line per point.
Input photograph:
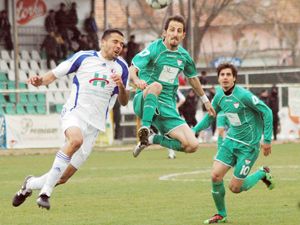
x=174 y=35
x=112 y=46
x=226 y=79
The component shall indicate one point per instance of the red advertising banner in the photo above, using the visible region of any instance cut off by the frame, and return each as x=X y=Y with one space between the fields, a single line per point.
x=26 y=10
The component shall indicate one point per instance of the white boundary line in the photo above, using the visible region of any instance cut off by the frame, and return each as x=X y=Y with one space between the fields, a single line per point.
x=175 y=176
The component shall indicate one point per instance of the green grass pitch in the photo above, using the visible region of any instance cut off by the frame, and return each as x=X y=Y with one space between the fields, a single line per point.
x=113 y=188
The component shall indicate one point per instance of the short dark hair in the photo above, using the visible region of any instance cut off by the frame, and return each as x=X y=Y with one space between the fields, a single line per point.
x=203 y=72
x=108 y=32
x=177 y=18
x=225 y=66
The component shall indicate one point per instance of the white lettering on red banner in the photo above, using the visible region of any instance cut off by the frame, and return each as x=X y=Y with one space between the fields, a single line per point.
x=29 y=9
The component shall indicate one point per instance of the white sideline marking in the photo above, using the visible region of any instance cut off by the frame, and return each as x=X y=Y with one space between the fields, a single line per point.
x=175 y=176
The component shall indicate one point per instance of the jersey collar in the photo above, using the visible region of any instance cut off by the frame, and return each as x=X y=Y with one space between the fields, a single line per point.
x=104 y=59
x=162 y=40
x=229 y=92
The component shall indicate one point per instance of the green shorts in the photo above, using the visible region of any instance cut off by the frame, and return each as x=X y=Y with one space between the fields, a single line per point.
x=239 y=156
x=165 y=119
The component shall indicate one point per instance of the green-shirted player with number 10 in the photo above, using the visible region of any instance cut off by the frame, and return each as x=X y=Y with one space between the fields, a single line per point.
x=250 y=119
x=155 y=73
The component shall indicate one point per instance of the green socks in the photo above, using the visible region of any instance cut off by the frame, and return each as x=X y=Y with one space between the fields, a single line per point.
x=167 y=142
x=218 y=193
x=218 y=190
x=150 y=105
x=252 y=180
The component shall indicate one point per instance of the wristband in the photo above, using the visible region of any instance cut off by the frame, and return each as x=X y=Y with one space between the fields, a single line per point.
x=204 y=99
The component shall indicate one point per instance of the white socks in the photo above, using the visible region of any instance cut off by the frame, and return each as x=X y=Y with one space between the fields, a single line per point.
x=150 y=138
x=172 y=154
x=36 y=183
x=59 y=165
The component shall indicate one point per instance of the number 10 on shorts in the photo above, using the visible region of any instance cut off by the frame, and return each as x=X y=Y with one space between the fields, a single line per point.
x=245 y=170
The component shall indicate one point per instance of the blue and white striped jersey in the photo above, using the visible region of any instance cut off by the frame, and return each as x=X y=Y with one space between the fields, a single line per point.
x=93 y=90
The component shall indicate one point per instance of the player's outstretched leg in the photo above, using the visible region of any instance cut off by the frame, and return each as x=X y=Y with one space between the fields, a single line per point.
x=43 y=201
x=22 y=194
x=268 y=179
x=217 y=218
x=143 y=134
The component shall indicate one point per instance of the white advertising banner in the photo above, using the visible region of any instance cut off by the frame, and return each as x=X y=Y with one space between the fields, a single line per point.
x=294 y=101
x=289 y=125
x=33 y=131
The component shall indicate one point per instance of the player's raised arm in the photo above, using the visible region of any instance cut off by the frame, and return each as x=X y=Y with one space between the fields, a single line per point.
x=207 y=120
x=195 y=83
x=46 y=79
x=133 y=71
x=123 y=96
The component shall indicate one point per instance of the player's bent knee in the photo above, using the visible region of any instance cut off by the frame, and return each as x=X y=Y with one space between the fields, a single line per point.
x=190 y=148
x=216 y=177
x=76 y=143
x=156 y=87
x=194 y=146
x=235 y=189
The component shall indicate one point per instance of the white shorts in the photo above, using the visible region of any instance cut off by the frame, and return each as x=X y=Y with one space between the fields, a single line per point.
x=89 y=134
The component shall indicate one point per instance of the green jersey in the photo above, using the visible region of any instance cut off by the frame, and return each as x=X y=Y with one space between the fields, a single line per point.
x=248 y=116
x=222 y=120
x=158 y=63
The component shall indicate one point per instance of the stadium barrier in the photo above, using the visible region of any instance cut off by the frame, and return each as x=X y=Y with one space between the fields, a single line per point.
x=33 y=131
x=45 y=134
x=40 y=131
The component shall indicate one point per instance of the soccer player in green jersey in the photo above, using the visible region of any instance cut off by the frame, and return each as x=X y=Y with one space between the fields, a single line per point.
x=155 y=72
x=249 y=119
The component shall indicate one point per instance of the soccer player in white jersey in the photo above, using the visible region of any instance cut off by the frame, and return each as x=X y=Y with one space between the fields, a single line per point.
x=100 y=78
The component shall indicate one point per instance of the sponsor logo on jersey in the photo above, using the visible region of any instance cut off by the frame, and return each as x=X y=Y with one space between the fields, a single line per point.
x=255 y=100
x=247 y=161
x=179 y=62
x=236 y=105
x=102 y=80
